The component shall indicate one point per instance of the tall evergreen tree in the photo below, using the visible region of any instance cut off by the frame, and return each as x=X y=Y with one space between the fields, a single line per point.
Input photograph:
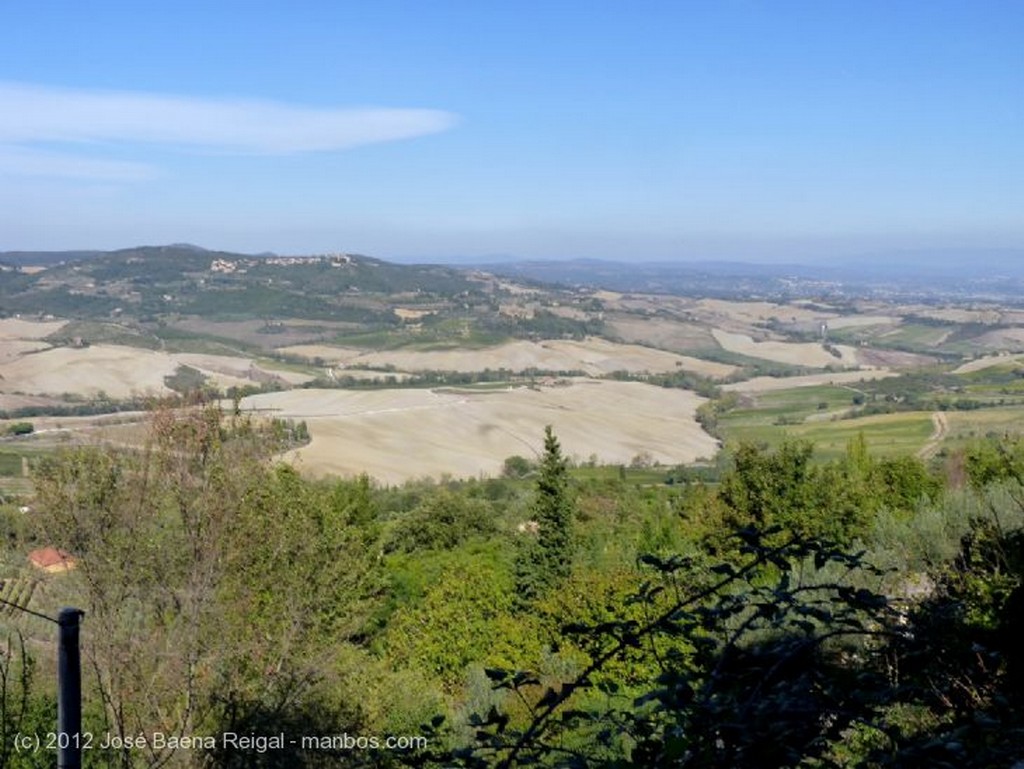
x=546 y=561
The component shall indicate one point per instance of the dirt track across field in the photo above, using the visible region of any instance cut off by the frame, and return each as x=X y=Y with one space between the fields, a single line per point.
x=941 y=422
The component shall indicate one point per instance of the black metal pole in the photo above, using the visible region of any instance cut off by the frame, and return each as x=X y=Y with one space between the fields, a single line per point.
x=69 y=691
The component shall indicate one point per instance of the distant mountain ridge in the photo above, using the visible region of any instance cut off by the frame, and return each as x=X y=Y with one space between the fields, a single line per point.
x=959 y=274
x=45 y=258
x=147 y=282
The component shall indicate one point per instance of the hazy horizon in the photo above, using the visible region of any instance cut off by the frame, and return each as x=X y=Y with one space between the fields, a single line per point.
x=743 y=131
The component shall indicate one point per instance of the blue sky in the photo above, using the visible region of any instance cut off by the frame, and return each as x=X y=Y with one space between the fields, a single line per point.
x=732 y=129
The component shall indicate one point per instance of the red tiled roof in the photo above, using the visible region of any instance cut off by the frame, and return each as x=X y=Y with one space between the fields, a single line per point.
x=47 y=557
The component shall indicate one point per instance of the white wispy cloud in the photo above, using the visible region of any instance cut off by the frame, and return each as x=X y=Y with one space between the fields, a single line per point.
x=33 y=115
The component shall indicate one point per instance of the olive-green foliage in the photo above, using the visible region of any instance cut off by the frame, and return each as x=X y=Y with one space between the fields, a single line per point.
x=517 y=467
x=616 y=521
x=443 y=521
x=355 y=501
x=409 y=576
x=10 y=464
x=185 y=379
x=993 y=460
x=838 y=499
x=962 y=665
x=217 y=587
x=792 y=660
x=772 y=488
x=224 y=592
x=291 y=557
x=985 y=572
x=23 y=710
x=591 y=597
x=711 y=695
x=465 y=617
x=931 y=535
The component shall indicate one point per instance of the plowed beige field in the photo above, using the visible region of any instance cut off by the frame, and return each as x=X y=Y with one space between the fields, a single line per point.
x=120 y=372
x=988 y=361
x=763 y=384
x=12 y=349
x=860 y=321
x=595 y=357
x=16 y=328
x=397 y=435
x=809 y=354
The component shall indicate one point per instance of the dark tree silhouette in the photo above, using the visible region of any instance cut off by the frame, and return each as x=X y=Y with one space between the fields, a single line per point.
x=546 y=561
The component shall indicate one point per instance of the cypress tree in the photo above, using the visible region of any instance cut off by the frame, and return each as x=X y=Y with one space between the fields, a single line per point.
x=546 y=561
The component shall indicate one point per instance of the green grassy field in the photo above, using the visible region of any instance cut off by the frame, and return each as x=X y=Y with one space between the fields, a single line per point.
x=912 y=337
x=10 y=464
x=816 y=414
x=1001 y=384
x=446 y=334
x=916 y=335
x=984 y=402
x=181 y=340
x=857 y=334
x=276 y=364
x=478 y=387
x=768 y=411
x=885 y=434
x=643 y=476
x=15 y=487
x=12 y=481
x=967 y=426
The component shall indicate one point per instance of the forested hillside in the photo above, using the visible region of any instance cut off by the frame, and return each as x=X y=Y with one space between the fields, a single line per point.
x=854 y=612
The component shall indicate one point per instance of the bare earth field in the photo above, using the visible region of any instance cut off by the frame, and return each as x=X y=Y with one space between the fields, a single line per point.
x=987 y=362
x=724 y=313
x=11 y=402
x=809 y=354
x=120 y=372
x=662 y=333
x=368 y=374
x=16 y=328
x=397 y=435
x=860 y=321
x=245 y=370
x=254 y=332
x=595 y=357
x=12 y=349
x=875 y=357
x=763 y=384
x=1003 y=338
x=962 y=314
